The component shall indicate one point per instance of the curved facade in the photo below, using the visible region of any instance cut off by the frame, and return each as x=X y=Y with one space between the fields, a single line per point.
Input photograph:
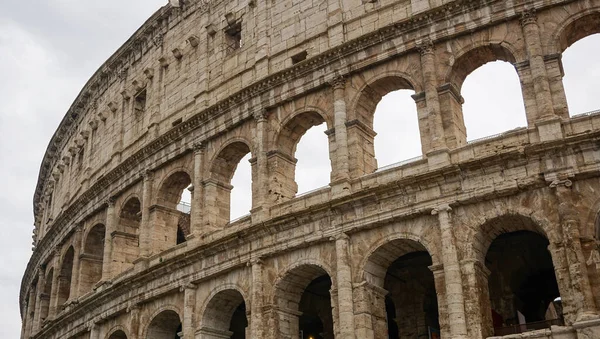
x=472 y=240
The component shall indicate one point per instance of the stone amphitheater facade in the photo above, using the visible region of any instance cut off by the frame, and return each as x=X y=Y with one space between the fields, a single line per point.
x=467 y=241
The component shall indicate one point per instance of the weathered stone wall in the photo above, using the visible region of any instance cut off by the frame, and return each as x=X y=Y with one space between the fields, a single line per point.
x=183 y=101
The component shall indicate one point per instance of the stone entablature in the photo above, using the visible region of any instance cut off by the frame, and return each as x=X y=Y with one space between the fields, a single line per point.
x=118 y=180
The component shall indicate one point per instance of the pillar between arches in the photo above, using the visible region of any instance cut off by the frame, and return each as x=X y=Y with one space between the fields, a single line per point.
x=110 y=226
x=260 y=172
x=196 y=216
x=38 y=304
x=145 y=230
x=189 y=303
x=340 y=167
x=76 y=270
x=477 y=298
x=452 y=275
x=54 y=292
x=369 y=311
x=569 y=219
x=256 y=314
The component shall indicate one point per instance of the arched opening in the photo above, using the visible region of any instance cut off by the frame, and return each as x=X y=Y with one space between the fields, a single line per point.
x=396 y=122
x=45 y=296
x=522 y=285
x=304 y=302
x=484 y=96
x=313 y=167
x=218 y=188
x=381 y=110
x=402 y=284
x=171 y=217
x=91 y=260
x=166 y=325
x=241 y=191
x=125 y=248
x=302 y=136
x=225 y=317
x=64 y=278
x=118 y=335
x=493 y=100
x=582 y=72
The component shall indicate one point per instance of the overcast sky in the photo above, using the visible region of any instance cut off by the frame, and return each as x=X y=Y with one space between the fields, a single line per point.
x=50 y=48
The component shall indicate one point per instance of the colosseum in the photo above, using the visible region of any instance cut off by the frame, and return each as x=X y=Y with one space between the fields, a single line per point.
x=493 y=238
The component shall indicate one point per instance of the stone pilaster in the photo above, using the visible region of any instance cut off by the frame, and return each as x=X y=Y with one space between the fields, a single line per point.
x=256 y=322
x=110 y=227
x=531 y=32
x=452 y=275
x=436 y=129
x=134 y=321
x=340 y=155
x=54 y=292
x=76 y=270
x=477 y=298
x=145 y=227
x=30 y=312
x=94 y=331
x=344 y=287
x=569 y=220
x=260 y=202
x=38 y=304
x=370 y=314
x=198 y=190
x=189 y=303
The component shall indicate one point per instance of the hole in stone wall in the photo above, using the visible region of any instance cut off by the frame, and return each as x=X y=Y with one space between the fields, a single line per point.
x=397 y=126
x=313 y=167
x=582 y=75
x=140 y=103
x=241 y=194
x=493 y=100
x=299 y=57
x=177 y=122
x=233 y=37
x=522 y=285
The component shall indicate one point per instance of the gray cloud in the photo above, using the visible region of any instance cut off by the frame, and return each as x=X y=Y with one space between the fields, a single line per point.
x=49 y=49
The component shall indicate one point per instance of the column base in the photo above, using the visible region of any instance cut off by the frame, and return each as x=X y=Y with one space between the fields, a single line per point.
x=550 y=129
x=438 y=158
x=340 y=188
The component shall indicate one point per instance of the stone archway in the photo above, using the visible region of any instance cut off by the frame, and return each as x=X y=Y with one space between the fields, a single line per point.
x=400 y=291
x=225 y=316
x=217 y=189
x=91 y=260
x=282 y=161
x=125 y=246
x=165 y=217
x=119 y=334
x=303 y=304
x=64 y=278
x=165 y=325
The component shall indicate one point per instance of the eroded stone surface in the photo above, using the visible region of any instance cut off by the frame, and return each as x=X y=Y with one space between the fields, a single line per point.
x=456 y=242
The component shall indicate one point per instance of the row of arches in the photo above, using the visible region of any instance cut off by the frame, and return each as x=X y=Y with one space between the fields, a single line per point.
x=402 y=293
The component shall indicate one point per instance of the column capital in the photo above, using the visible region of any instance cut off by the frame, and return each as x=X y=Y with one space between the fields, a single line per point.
x=528 y=17
x=188 y=286
x=110 y=202
x=441 y=208
x=199 y=147
x=147 y=175
x=561 y=182
x=255 y=261
x=133 y=307
x=425 y=47
x=338 y=82
x=260 y=115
